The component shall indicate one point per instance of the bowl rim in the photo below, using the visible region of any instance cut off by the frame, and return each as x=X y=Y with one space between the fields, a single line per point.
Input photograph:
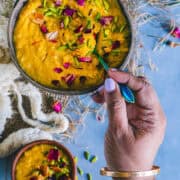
x=38 y=142
x=11 y=25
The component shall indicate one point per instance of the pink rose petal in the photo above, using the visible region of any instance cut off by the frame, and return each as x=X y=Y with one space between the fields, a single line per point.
x=88 y=31
x=58 y=70
x=176 y=32
x=106 y=20
x=69 y=79
x=69 y=12
x=57 y=107
x=81 y=40
x=79 y=29
x=85 y=59
x=44 y=29
x=58 y=3
x=81 y=2
x=55 y=82
x=116 y=44
x=53 y=154
x=66 y=65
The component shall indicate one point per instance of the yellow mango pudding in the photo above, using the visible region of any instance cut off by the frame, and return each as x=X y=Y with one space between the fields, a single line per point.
x=44 y=162
x=55 y=41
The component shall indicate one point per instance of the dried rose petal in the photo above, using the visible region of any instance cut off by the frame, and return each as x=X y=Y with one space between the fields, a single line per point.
x=106 y=20
x=57 y=107
x=81 y=40
x=52 y=36
x=79 y=29
x=69 y=12
x=58 y=2
x=95 y=35
x=58 y=70
x=82 y=79
x=116 y=44
x=69 y=79
x=34 y=178
x=53 y=154
x=44 y=29
x=176 y=32
x=62 y=165
x=66 y=65
x=88 y=31
x=81 y=2
x=62 y=25
x=98 y=118
x=85 y=59
x=55 y=82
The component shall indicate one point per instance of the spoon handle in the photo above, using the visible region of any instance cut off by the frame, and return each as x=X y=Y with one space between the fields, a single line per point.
x=125 y=90
x=127 y=93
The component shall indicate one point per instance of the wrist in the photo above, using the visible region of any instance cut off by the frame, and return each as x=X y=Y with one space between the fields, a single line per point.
x=136 y=178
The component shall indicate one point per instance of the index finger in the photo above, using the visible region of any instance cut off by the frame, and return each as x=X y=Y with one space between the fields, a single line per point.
x=135 y=83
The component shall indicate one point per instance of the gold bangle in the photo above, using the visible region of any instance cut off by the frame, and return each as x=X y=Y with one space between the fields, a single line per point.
x=128 y=174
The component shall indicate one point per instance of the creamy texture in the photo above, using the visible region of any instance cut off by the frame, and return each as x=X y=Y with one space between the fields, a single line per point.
x=54 y=60
x=30 y=164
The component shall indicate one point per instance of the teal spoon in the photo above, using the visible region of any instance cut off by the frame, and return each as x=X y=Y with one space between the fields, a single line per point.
x=125 y=90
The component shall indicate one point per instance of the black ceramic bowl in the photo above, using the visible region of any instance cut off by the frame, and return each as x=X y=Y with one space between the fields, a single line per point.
x=12 y=23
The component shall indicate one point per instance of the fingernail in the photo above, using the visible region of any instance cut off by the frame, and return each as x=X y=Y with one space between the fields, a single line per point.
x=100 y=88
x=110 y=85
x=113 y=69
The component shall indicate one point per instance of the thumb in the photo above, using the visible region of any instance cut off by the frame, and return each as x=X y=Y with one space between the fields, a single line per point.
x=116 y=106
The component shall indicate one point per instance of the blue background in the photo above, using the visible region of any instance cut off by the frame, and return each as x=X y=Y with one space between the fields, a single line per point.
x=166 y=81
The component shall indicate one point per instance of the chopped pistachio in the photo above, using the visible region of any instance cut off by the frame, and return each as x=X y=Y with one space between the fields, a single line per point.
x=61 y=48
x=76 y=159
x=80 y=171
x=97 y=2
x=66 y=21
x=122 y=28
x=89 y=176
x=106 y=32
x=44 y=3
x=98 y=16
x=116 y=18
x=106 y=4
x=86 y=155
x=94 y=159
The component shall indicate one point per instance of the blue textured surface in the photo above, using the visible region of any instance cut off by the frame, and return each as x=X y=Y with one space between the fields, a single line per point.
x=167 y=83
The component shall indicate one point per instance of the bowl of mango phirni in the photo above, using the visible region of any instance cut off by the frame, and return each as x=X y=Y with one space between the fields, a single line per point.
x=44 y=160
x=52 y=42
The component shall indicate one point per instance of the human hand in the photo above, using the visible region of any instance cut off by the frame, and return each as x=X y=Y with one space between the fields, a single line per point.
x=135 y=131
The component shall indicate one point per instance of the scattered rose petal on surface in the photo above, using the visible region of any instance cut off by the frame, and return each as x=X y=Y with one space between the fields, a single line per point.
x=81 y=2
x=69 y=12
x=66 y=65
x=53 y=154
x=57 y=107
x=52 y=36
x=44 y=29
x=106 y=20
x=176 y=32
x=85 y=59
x=116 y=44
x=58 y=70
